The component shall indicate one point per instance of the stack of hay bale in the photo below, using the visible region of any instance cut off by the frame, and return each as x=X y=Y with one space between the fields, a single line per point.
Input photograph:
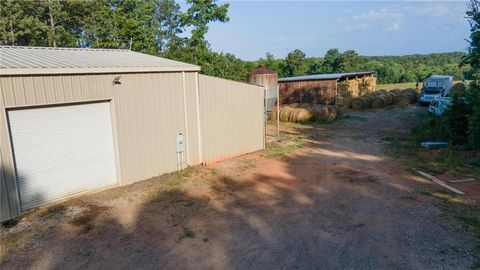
x=306 y=112
x=382 y=98
x=350 y=89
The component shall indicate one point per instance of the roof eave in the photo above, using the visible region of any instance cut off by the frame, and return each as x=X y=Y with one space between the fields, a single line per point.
x=293 y=79
x=78 y=71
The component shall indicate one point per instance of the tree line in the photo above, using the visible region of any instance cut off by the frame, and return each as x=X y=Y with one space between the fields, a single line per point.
x=390 y=69
x=160 y=27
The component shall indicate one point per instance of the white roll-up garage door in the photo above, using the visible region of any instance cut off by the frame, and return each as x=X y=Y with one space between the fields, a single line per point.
x=61 y=151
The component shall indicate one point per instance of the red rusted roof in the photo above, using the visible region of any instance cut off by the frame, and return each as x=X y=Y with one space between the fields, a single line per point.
x=262 y=69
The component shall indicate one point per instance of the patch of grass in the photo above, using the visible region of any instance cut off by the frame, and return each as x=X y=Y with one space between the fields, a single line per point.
x=300 y=125
x=51 y=210
x=12 y=242
x=425 y=192
x=408 y=152
x=403 y=150
x=213 y=171
x=86 y=214
x=187 y=233
x=391 y=86
x=170 y=183
x=286 y=145
x=351 y=117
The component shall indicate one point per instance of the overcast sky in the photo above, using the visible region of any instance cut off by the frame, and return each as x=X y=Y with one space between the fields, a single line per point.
x=370 y=28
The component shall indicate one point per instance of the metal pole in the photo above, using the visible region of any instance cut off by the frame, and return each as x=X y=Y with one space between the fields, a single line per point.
x=265 y=116
x=278 y=112
x=336 y=92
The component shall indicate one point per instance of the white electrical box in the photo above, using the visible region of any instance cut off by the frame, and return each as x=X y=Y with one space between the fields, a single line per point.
x=180 y=146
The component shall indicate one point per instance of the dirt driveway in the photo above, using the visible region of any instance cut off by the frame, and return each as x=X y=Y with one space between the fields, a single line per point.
x=337 y=203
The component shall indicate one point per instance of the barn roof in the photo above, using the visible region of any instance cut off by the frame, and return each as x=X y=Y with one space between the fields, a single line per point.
x=332 y=76
x=19 y=60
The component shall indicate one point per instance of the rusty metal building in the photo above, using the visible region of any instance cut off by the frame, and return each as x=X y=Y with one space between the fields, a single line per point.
x=74 y=121
x=324 y=89
x=267 y=78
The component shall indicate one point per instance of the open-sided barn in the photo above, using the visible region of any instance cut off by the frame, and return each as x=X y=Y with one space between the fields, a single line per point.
x=326 y=89
x=78 y=120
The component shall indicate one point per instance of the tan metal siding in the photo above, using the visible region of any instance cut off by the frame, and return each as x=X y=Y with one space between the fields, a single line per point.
x=46 y=90
x=190 y=79
x=5 y=203
x=8 y=190
x=149 y=112
x=232 y=116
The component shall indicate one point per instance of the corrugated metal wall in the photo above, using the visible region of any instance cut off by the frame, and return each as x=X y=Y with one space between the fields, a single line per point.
x=316 y=92
x=148 y=111
x=232 y=116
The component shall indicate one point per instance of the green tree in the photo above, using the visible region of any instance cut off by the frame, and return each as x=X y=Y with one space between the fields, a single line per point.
x=315 y=65
x=473 y=59
x=350 y=61
x=129 y=25
x=198 y=16
x=294 y=64
x=167 y=23
x=331 y=61
x=270 y=62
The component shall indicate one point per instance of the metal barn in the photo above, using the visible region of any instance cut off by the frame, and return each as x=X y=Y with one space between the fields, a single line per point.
x=74 y=121
x=326 y=89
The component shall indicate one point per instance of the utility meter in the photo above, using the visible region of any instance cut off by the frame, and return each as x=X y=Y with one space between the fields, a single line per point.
x=180 y=146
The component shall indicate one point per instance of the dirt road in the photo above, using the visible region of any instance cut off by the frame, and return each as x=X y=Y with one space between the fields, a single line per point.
x=339 y=203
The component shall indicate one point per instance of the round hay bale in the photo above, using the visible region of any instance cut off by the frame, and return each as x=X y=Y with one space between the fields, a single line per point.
x=409 y=90
x=395 y=92
x=459 y=89
x=389 y=98
x=326 y=113
x=370 y=98
x=402 y=100
x=356 y=104
x=282 y=113
x=379 y=101
x=330 y=113
x=292 y=115
x=285 y=113
x=367 y=101
x=302 y=115
x=319 y=113
x=382 y=91
x=412 y=96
